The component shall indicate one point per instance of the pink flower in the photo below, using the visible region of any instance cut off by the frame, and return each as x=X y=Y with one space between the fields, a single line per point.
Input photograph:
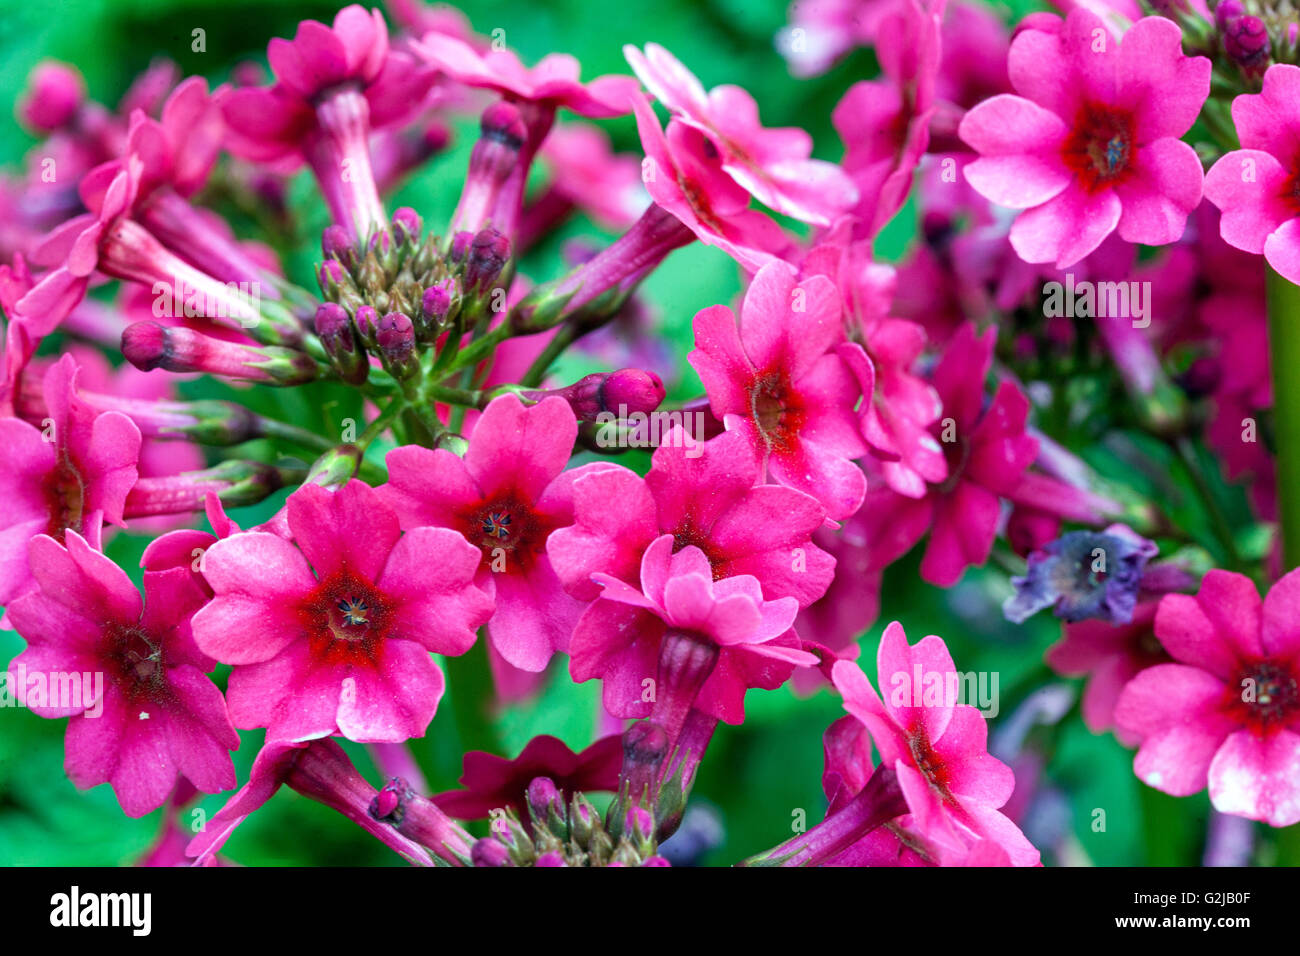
x=1109 y=655
x=1228 y=710
x=156 y=717
x=885 y=124
x=773 y=377
x=493 y=782
x=588 y=175
x=552 y=83
x=988 y=453
x=937 y=747
x=899 y=406
x=1091 y=143
x=774 y=165
x=705 y=497
x=705 y=642
x=73 y=474
x=684 y=175
x=1256 y=187
x=506 y=496
x=334 y=85
x=344 y=649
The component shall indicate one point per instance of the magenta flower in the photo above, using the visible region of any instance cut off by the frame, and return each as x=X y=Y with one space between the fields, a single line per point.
x=506 y=496
x=936 y=746
x=73 y=474
x=1256 y=187
x=1227 y=712
x=334 y=84
x=774 y=165
x=150 y=716
x=1091 y=146
x=885 y=124
x=493 y=782
x=988 y=454
x=704 y=642
x=705 y=497
x=334 y=636
x=1109 y=655
x=552 y=83
x=684 y=175
x=822 y=31
x=773 y=377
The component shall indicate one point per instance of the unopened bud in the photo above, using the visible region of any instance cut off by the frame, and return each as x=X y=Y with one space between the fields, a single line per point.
x=396 y=341
x=488 y=254
x=407 y=226
x=489 y=852
x=334 y=329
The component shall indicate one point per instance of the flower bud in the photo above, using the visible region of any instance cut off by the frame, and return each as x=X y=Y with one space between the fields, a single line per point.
x=336 y=243
x=489 y=852
x=334 y=329
x=1245 y=40
x=366 y=320
x=55 y=93
x=488 y=254
x=396 y=340
x=551 y=858
x=148 y=345
x=435 y=305
x=460 y=244
x=407 y=226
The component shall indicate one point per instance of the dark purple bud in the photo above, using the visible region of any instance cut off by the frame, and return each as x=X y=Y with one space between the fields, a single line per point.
x=488 y=852
x=1245 y=39
x=334 y=329
x=407 y=226
x=487 y=257
x=396 y=341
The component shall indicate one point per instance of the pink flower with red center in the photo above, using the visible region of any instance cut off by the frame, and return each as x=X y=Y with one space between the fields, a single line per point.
x=1091 y=146
x=1227 y=711
x=150 y=716
x=506 y=497
x=71 y=474
x=705 y=496
x=899 y=406
x=493 y=782
x=885 y=124
x=334 y=84
x=937 y=747
x=774 y=377
x=774 y=165
x=1257 y=187
x=333 y=636
x=684 y=175
x=1109 y=655
x=704 y=642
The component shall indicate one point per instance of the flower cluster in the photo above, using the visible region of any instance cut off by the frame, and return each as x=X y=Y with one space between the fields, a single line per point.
x=1051 y=394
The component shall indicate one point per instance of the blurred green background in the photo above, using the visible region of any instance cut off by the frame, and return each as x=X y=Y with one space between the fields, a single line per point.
x=756 y=776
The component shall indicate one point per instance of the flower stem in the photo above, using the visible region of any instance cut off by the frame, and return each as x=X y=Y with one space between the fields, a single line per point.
x=1284 y=358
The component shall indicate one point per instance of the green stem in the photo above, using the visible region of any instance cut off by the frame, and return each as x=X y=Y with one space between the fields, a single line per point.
x=1222 y=527
x=380 y=424
x=537 y=371
x=1284 y=357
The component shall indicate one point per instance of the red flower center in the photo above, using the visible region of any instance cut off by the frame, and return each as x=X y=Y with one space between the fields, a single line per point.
x=137 y=661
x=689 y=534
x=1265 y=696
x=776 y=410
x=1099 y=149
x=929 y=763
x=1291 y=188
x=346 y=618
x=508 y=531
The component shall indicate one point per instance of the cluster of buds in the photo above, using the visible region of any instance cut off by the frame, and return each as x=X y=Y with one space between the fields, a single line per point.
x=1250 y=40
x=559 y=833
x=404 y=291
